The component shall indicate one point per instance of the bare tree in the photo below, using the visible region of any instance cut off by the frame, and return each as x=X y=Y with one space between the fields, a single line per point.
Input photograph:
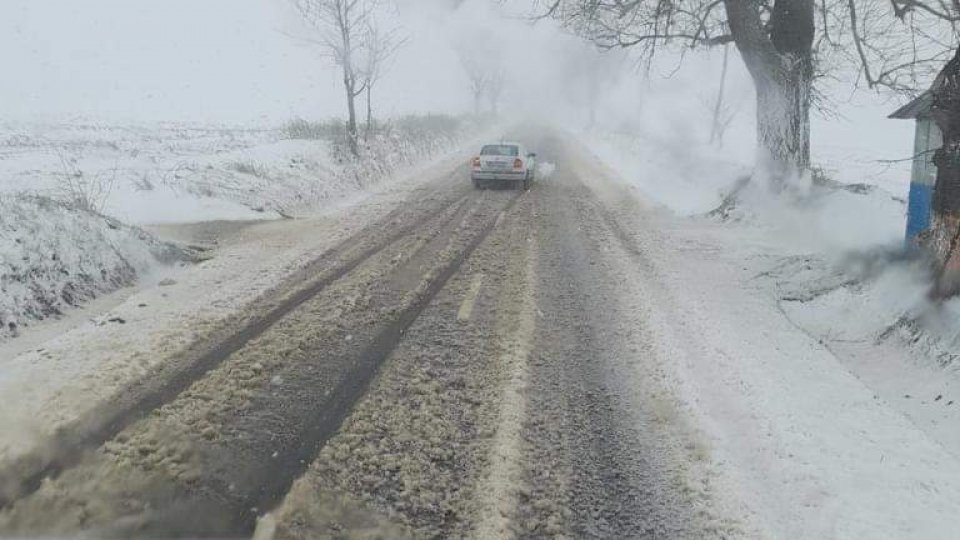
x=478 y=85
x=483 y=63
x=478 y=75
x=720 y=118
x=774 y=37
x=896 y=44
x=785 y=45
x=587 y=74
x=495 y=83
x=381 y=47
x=342 y=28
x=722 y=115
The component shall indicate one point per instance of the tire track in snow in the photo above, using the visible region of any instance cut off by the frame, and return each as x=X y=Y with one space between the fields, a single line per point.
x=69 y=444
x=231 y=494
x=499 y=491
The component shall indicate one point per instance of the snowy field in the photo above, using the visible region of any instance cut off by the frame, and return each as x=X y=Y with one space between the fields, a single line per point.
x=73 y=197
x=183 y=173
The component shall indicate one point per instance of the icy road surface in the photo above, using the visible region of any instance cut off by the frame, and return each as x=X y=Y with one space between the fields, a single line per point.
x=563 y=362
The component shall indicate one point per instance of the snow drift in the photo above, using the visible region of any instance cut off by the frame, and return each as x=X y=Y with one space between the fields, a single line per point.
x=54 y=256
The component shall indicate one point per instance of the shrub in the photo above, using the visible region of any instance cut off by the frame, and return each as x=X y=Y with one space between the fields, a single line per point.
x=87 y=192
x=248 y=167
x=298 y=128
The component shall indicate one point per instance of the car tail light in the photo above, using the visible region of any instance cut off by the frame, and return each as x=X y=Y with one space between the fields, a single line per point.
x=518 y=163
x=476 y=163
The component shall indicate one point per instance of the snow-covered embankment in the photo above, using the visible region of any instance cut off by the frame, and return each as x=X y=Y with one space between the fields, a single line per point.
x=67 y=193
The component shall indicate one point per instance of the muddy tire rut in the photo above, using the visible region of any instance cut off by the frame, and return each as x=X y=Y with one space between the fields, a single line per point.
x=418 y=455
x=199 y=356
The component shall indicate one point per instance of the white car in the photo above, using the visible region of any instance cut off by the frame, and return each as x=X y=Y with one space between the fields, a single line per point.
x=504 y=162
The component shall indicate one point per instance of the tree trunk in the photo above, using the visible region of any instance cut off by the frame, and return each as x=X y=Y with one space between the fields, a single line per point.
x=349 y=75
x=348 y=85
x=942 y=241
x=369 y=128
x=783 y=123
x=780 y=61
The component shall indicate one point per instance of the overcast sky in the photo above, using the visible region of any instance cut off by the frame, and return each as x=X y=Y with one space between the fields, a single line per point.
x=230 y=60
x=155 y=59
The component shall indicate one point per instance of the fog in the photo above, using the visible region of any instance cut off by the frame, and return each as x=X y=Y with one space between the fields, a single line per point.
x=242 y=61
x=247 y=311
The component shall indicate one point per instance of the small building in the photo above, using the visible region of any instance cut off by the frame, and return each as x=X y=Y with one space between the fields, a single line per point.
x=923 y=176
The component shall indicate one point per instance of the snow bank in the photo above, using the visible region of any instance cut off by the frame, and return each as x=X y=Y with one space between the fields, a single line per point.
x=830 y=219
x=818 y=215
x=295 y=175
x=691 y=178
x=53 y=256
x=685 y=176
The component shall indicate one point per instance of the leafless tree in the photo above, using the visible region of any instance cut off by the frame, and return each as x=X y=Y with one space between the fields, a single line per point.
x=342 y=32
x=785 y=45
x=722 y=112
x=478 y=75
x=894 y=44
x=720 y=117
x=483 y=63
x=496 y=78
x=478 y=84
x=381 y=47
x=774 y=37
x=587 y=74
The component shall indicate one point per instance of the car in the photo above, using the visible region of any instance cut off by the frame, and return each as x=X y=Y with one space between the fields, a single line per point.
x=504 y=162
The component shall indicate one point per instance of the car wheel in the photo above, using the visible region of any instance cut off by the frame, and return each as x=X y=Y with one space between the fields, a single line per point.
x=477 y=185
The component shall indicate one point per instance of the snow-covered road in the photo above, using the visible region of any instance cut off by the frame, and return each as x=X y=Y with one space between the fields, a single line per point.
x=438 y=361
x=61 y=378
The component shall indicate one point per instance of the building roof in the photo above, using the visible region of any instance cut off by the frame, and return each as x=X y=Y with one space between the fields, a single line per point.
x=918 y=108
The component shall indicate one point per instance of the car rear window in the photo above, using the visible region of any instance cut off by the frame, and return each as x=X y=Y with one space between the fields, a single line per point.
x=500 y=150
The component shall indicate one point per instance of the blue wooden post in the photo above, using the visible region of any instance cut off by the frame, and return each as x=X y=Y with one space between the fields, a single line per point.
x=923 y=175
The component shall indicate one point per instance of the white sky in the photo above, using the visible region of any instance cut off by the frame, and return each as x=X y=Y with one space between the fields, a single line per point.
x=227 y=60
x=153 y=59
x=234 y=61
